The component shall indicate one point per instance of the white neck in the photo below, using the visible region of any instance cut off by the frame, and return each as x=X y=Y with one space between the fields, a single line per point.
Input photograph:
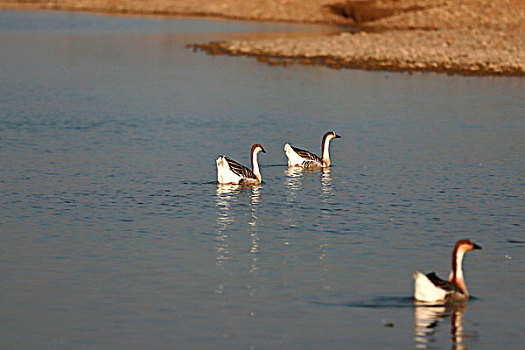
x=326 y=152
x=255 y=165
x=459 y=264
x=456 y=276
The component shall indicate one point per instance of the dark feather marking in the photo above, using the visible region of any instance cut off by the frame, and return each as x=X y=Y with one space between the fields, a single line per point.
x=446 y=285
x=240 y=169
x=311 y=159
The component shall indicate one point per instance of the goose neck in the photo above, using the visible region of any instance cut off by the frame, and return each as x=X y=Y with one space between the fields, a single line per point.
x=326 y=152
x=255 y=164
x=457 y=270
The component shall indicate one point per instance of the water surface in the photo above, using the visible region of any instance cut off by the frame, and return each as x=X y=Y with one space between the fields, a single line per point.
x=114 y=234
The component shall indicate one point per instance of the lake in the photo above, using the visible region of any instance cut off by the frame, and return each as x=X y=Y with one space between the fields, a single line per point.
x=114 y=233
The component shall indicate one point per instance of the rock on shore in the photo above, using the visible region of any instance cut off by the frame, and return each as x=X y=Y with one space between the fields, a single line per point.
x=480 y=37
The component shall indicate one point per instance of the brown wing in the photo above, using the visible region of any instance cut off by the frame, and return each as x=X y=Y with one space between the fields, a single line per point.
x=311 y=159
x=240 y=169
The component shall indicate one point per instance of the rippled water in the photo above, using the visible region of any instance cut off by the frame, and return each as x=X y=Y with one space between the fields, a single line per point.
x=114 y=234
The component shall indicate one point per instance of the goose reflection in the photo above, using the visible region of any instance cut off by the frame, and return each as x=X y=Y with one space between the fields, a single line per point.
x=226 y=197
x=293 y=184
x=427 y=318
x=293 y=181
x=255 y=195
x=225 y=193
x=326 y=183
x=327 y=194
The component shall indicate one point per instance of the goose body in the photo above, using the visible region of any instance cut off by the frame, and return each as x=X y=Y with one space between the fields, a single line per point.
x=430 y=288
x=231 y=172
x=305 y=159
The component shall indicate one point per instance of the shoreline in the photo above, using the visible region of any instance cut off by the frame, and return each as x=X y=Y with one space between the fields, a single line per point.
x=369 y=64
x=465 y=37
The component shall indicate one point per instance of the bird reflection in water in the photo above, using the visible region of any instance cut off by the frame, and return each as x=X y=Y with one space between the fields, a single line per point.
x=254 y=233
x=255 y=196
x=295 y=178
x=327 y=194
x=228 y=196
x=326 y=183
x=224 y=219
x=427 y=318
x=294 y=185
x=293 y=181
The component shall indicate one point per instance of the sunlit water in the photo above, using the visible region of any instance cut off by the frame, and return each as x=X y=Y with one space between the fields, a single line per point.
x=114 y=234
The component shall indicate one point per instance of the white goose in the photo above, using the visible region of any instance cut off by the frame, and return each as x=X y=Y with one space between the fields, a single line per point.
x=305 y=159
x=431 y=288
x=231 y=172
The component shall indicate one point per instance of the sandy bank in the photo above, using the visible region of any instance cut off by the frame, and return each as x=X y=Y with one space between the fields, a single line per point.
x=474 y=37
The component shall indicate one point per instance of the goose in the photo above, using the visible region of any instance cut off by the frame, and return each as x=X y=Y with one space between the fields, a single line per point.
x=305 y=159
x=431 y=288
x=231 y=172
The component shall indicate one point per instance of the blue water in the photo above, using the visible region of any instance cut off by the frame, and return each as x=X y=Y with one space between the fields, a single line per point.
x=114 y=234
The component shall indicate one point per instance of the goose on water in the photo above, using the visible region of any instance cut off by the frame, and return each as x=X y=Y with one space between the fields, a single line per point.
x=305 y=159
x=231 y=172
x=431 y=288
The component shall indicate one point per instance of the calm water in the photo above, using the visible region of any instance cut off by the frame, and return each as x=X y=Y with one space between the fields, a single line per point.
x=113 y=233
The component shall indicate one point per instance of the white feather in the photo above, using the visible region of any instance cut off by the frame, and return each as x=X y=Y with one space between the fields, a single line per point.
x=224 y=174
x=293 y=158
x=425 y=290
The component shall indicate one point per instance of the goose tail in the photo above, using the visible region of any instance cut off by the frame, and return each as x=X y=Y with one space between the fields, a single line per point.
x=290 y=154
x=425 y=290
x=222 y=169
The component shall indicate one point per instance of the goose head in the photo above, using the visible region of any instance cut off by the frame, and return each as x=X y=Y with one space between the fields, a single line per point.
x=257 y=148
x=465 y=245
x=330 y=135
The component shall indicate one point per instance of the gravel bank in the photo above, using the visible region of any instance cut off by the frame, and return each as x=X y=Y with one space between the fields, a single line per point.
x=450 y=51
x=473 y=37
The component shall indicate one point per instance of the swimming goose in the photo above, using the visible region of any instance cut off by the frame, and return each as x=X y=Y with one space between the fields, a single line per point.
x=231 y=172
x=431 y=288
x=305 y=159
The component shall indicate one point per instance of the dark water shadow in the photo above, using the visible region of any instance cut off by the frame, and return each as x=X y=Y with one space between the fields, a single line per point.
x=375 y=303
x=396 y=302
x=273 y=166
x=198 y=183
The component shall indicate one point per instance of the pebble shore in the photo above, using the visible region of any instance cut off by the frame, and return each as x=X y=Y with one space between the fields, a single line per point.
x=470 y=37
x=453 y=53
